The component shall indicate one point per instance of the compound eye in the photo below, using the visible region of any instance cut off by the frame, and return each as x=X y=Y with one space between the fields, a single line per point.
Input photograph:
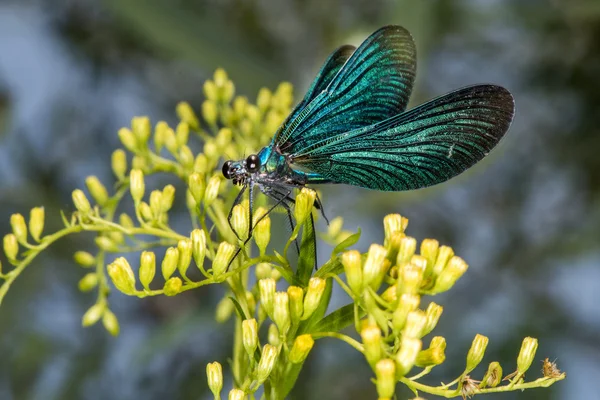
x=225 y=170
x=252 y=163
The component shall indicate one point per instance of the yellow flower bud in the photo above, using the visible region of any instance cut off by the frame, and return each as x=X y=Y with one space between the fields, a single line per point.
x=228 y=92
x=212 y=190
x=121 y=274
x=410 y=278
x=36 y=222
x=209 y=112
x=281 y=312
x=385 y=371
x=314 y=293
x=266 y=289
x=147 y=268
x=263 y=100
x=236 y=394
x=210 y=150
x=433 y=314
x=88 y=282
x=159 y=135
x=184 y=246
x=155 y=204
x=455 y=268
x=141 y=129
x=168 y=195
x=97 y=190
x=239 y=220
x=169 y=262
x=214 y=374
x=335 y=227
x=172 y=286
x=415 y=322
x=527 y=354
x=139 y=162
x=126 y=221
x=393 y=223
x=137 y=185
x=253 y=114
x=371 y=338
x=408 y=245
x=304 y=204
x=266 y=363
x=375 y=266
x=186 y=157
x=408 y=302
x=296 y=296
x=225 y=308
x=119 y=163
x=351 y=260
x=110 y=322
x=198 y=238
x=81 y=202
x=223 y=138
x=201 y=164
x=250 y=336
x=430 y=357
x=429 y=250
x=273 y=335
x=128 y=139
x=84 y=258
x=105 y=243
x=222 y=259
x=493 y=375
x=197 y=186
x=171 y=141
x=19 y=227
x=303 y=344
x=146 y=211
x=93 y=314
x=262 y=271
x=445 y=253
x=476 y=352
x=407 y=355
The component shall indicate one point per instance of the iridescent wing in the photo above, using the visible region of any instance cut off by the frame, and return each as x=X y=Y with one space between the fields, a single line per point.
x=426 y=145
x=372 y=85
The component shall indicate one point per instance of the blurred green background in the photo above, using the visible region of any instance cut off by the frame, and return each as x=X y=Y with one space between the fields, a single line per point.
x=527 y=219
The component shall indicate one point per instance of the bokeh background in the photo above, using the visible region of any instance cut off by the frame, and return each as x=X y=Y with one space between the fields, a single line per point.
x=527 y=219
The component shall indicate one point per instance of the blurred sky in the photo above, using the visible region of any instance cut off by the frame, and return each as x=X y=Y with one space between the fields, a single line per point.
x=526 y=219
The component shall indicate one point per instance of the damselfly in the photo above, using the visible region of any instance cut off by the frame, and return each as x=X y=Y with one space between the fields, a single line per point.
x=352 y=127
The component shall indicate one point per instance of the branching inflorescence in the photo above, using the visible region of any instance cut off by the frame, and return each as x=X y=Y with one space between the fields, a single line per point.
x=274 y=330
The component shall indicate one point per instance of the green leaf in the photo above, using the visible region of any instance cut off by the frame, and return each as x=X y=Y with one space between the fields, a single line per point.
x=238 y=308
x=314 y=319
x=333 y=266
x=306 y=261
x=336 y=321
x=344 y=244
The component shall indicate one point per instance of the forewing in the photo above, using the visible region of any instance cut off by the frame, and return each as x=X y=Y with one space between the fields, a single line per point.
x=418 y=148
x=374 y=84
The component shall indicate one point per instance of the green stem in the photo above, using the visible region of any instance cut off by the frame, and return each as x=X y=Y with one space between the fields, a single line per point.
x=354 y=343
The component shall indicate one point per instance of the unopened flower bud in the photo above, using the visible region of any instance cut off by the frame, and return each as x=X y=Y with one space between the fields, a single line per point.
x=493 y=375
x=273 y=335
x=429 y=250
x=415 y=322
x=141 y=129
x=303 y=344
x=371 y=338
x=209 y=112
x=316 y=287
x=147 y=268
x=236 y=394
x=410 y=278
x=304 y=204
x=36 y=222
x=430 y=357
x=407 y=355
x=110 y=322
x=393 y=223
x=19 y=227
x=146 y=211
x=375 y=266
x=408 y=245
x=198 y=238
x=445 y=253
x=97 y=190
x=125 y=221
x=266 y=363
x=184 y=246
x=159 y=135
x=93 y=314
x=225 y=309
x=169 y=262
x=182 y=134
x=263 y=100
x=201 y=163
x=105 y=243
x=212 y=190
x=267 y=294
x=455 y=268
x=262 y=230
x=433 y=313
x=407 y=303
x=476 y=352
x=84 y=258
x=214 y=374
x=81 y=202
x=186 y=114
x=172 y=286
x=281 y=312
x=171 y=141
x=527 y=354
x=122 y=276
x=335 y=227
x=128 y=139
x=88 y=282
x=239 y=220
x=137 y=185
x=186 y=157
x=221 y=261
x=168 y=195
x=385 y=371
x=11 y=246
x=250 y=336
x=155 y=204
x=352 y=262
x=223 y=138
x=296 y=297
x=119 y=163
x=197 y=187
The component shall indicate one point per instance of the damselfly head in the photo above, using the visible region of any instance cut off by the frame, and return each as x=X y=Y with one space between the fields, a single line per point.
x=239 y=171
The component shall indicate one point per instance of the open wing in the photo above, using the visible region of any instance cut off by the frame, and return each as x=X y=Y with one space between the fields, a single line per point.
x=372 y=85
x=426 y=145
